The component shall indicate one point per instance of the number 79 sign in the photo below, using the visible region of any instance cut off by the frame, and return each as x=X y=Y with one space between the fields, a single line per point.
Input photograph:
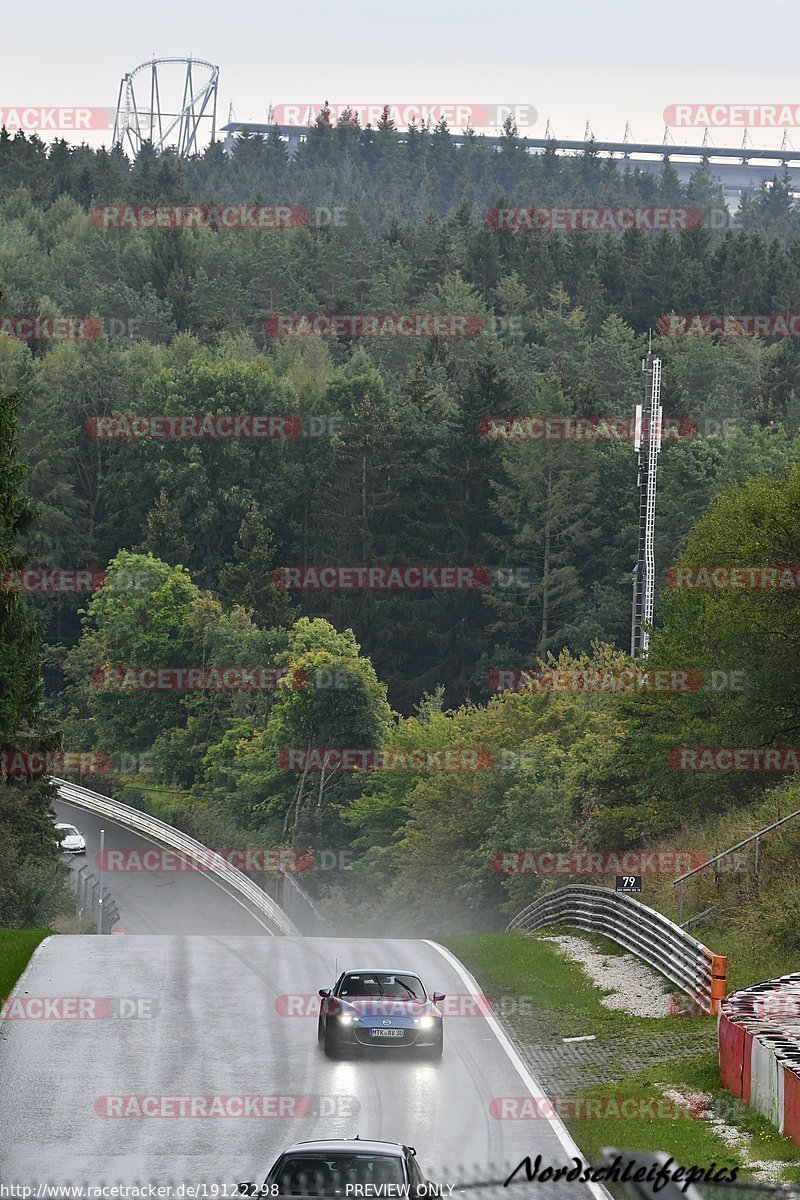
x=628 y=883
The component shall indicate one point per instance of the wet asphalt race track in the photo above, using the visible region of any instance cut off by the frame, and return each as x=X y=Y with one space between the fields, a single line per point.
x=159 y=901
x=215 y=1025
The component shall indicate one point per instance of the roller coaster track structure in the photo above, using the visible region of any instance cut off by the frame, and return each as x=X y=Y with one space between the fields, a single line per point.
x=140 y=117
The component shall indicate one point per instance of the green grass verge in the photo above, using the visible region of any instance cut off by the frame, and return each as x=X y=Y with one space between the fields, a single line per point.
x=16 y=948
x=749 y=959
x=563 y=1003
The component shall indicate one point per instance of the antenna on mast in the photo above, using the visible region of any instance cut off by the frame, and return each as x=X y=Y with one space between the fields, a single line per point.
x=647 y=444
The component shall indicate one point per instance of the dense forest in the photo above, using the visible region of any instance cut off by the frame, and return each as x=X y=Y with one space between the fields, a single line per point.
x=390 y=465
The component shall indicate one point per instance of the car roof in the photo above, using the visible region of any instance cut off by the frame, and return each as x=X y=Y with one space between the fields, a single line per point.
x=380 y=971
x=65 y=825
x=339 y=1145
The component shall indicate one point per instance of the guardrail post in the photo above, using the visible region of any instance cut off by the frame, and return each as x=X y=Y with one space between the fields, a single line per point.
x=719 y=975
x=758 y=847
x=100 y=928
x=680 y=903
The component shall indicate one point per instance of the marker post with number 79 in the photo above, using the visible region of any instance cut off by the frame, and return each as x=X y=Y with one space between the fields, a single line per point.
x=628 y=883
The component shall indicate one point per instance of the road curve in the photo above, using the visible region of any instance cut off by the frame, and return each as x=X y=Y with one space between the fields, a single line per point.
x=163 y=902
x=219 y=1030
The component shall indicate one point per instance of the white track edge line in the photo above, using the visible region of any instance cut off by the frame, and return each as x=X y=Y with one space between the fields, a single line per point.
x=528 y=1078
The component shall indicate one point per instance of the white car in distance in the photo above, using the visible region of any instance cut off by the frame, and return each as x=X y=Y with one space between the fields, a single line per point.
x=71 y=840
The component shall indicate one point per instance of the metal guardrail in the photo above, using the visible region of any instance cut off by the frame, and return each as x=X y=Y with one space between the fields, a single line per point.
x=295 y=901
x=300 y=908
x=159 y=831
x=648 y=934
x=754 y=837
x=698 y=917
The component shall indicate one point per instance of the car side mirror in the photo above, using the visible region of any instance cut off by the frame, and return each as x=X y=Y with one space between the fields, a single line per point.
x=437 y=996
x=324 y=991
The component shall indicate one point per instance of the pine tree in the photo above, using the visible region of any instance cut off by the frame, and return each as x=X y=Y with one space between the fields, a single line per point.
x=386 y=121
x=31 y=877
x=19 y=665
x=164 y=537
x=248 y=579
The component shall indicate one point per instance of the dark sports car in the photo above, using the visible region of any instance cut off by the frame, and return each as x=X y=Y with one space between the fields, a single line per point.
x=380 y=1008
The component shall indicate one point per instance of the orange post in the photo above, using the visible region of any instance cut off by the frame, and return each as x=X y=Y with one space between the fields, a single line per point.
x=719 y=975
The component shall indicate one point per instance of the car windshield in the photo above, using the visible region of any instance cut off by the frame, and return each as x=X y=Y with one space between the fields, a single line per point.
x=69 y=831
x=379 y=983
x=318 y=1174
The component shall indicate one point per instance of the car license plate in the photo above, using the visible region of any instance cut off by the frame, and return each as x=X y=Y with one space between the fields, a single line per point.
x=387 y=1033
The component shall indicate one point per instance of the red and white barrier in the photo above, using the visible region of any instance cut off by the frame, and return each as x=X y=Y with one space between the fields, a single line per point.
x=759 y=1050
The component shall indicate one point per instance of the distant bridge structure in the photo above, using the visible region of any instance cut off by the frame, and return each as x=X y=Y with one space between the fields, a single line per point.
x=739 y=169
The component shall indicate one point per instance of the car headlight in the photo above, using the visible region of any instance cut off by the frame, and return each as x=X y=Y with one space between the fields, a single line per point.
x=426 y=1022
x=347 y=1018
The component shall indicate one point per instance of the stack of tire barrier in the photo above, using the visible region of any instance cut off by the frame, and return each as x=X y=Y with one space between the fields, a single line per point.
x=759 y=1050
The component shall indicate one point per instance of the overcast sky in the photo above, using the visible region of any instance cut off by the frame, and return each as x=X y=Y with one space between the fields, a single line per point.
x=611 y=62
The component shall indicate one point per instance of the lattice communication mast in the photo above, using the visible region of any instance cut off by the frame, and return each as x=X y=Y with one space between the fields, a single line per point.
x=189 y=86
x=647 y=444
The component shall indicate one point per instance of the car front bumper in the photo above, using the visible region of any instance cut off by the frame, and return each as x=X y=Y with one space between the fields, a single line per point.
x=394 y=1036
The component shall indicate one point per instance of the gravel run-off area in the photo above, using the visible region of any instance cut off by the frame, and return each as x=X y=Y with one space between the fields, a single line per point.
x=633 y=986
